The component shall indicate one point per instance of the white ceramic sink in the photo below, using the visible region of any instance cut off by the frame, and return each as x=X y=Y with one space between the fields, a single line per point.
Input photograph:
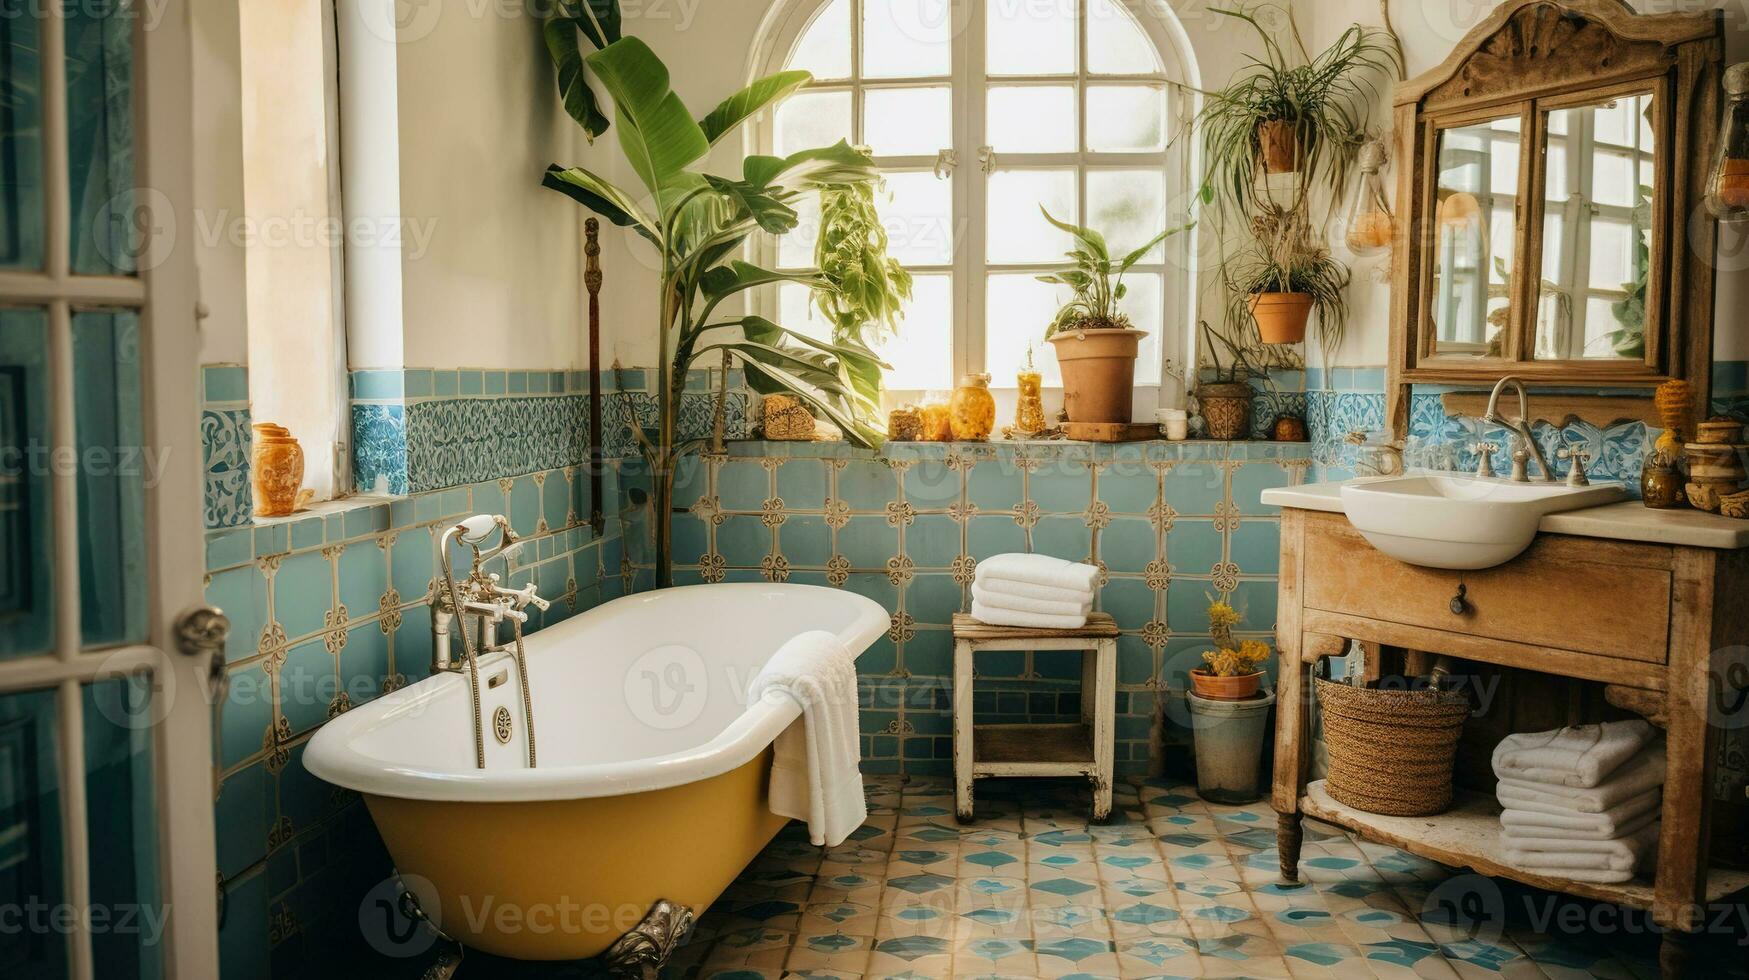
x=1449 y=521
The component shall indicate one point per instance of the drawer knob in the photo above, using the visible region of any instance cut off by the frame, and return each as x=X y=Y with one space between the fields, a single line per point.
x=1460 y=604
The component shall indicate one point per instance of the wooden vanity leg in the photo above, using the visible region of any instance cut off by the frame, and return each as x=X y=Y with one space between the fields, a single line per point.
x=1673 y=954
x=1679 y=900
x=1289 y=835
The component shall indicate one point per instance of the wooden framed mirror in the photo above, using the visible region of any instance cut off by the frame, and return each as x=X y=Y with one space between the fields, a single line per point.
x=1554 y=170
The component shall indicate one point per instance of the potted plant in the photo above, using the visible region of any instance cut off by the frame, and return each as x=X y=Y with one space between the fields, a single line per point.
x=1234 y=670
x=1291 y=114
x=1229 y=717
x=1284 y=277
x=1224 y=401
x=1096 y=343
x=698 y=223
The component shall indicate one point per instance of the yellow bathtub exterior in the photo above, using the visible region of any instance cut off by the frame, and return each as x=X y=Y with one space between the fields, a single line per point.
x=562 y=880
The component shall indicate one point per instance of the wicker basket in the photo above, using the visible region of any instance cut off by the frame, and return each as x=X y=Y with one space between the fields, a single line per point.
x=1391 y=751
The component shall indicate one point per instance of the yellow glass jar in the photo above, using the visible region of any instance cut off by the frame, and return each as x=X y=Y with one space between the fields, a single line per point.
x=1029 y=415
x=937 y=425
x=905 y=424
x=973 y=409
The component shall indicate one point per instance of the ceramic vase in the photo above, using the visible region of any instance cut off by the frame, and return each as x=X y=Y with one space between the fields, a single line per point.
x=276 y=470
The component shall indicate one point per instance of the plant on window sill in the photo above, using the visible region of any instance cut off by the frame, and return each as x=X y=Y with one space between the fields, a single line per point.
x=698 y=224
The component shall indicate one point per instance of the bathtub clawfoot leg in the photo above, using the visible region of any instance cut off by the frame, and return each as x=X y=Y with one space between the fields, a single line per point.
x=641 y=953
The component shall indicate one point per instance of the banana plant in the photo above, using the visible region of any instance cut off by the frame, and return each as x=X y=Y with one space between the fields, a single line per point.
x=698 y=224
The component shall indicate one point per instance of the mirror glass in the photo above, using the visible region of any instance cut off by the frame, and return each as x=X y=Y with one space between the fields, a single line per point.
x=1597 y=229
x=1475 y=197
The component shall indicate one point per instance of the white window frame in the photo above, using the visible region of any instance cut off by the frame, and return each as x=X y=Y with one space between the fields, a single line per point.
x=787 y=23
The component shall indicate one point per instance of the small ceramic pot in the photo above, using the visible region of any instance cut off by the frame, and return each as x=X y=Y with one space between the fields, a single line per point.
x=276 y=471
x=1220 y=688
x=1226 y=409
x=1290 y=428
x=1281 y=317
x=1174 y=423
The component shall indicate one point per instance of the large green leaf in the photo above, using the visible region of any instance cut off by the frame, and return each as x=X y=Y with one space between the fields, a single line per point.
x=835 y=164
x=736 y=277
x=599 y=20
x=1094 y=241
x=561 y=39
x=757 y=203
x=860 y=367
x=603 y=198
x=659 y=137
x=769 y=378
x=743 y=105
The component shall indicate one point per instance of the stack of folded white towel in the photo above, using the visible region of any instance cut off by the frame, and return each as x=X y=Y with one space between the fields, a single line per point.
x=1581 y=803
x=1033 y=591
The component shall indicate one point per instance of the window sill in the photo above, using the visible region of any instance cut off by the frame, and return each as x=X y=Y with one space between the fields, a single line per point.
x=1150 y=449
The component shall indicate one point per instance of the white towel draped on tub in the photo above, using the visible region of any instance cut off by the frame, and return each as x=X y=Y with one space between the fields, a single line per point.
x=816 y=775
x=1041 y=570
x=1582 y=756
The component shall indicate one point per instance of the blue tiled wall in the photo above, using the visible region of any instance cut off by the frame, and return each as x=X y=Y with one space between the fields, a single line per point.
x=1171 y=524
x=226 y=441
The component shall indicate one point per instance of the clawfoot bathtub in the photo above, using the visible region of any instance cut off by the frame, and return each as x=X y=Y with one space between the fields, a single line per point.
x=650 y=783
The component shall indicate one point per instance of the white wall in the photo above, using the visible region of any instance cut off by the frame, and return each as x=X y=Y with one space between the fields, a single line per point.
x=709 y=53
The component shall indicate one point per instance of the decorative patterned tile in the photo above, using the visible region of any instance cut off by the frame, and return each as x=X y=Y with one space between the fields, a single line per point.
x=226 y=442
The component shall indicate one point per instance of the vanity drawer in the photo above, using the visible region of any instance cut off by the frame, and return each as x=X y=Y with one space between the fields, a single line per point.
x=1590 y=596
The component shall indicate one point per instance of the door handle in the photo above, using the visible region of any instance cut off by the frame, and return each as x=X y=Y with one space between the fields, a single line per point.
x=201 y=632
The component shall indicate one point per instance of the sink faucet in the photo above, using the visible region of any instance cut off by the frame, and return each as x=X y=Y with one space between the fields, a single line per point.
x=1524 y=440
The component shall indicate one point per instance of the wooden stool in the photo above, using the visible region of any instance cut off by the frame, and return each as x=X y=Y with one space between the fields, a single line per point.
x=1083 y=749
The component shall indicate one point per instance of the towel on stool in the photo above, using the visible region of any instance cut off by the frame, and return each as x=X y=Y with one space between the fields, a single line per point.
x=1608 y=861
x=1044 y=570
x=1044 y=607
x=1584 y=755
x=1644 y=772
x=1027 y=590
x=997 y=616
x=1620 y=822
x=816 y=775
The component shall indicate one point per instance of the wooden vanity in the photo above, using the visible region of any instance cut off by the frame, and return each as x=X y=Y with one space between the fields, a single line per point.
x=1641 y=620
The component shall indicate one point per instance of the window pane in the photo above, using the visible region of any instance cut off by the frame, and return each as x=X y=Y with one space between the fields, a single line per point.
x=824 y=48
x=1128 y=118
x=1116 y=44
x=1031 y=37
x=1017 y=231
x=1032 y=119
x=112 y=478
x=1017 y=311
x=21 y=174
x=31 y=866
x=811 y=119
x=1142 y=303
x=919 y=218
x=1612 y=254
x=1128 y=207
x=921 y=351
x=795 y=310
x=908 y=121
x=100 y=137
x=1600 y=322
x=907 y=38
x=1615 y=179
x=26 y=563
x=118 y=718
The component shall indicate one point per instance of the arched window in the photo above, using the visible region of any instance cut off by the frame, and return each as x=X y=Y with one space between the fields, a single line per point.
x=979 y=111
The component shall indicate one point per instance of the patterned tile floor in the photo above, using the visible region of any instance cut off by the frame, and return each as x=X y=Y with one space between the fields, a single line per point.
x=1173 y=886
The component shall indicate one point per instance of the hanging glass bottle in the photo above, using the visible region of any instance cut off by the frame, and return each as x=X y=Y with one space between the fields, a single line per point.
x=1371 y=228
x=1727 y=192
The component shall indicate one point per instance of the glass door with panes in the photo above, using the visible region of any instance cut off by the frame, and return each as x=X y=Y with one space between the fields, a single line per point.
x=106 y=861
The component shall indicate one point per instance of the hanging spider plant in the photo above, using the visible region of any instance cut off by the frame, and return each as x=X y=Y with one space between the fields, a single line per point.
x=1290 y=111
x=1284 y=259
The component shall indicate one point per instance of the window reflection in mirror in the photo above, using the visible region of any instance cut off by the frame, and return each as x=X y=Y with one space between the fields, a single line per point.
x=1597 y=228
x=1475 y=197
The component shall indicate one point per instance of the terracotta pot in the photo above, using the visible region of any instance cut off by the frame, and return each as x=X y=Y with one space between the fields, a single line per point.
x=1280 y=146
x=1226 y=409
x=1099 y=373
x=1207 y=685
x=1281 y=317
x=276 y=471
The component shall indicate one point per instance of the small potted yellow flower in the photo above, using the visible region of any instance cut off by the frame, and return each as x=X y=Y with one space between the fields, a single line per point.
x=1234 y=670
x=1229 y=714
